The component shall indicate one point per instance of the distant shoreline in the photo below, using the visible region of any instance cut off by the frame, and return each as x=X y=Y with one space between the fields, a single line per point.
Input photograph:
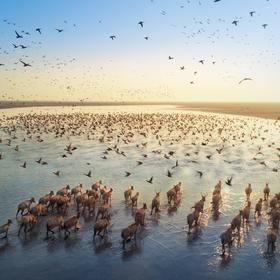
x=260 y=110
x=266 y=110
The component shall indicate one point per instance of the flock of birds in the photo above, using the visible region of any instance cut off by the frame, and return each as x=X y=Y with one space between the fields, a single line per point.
x=61 y=64
x=175 y=126
x=153 y=136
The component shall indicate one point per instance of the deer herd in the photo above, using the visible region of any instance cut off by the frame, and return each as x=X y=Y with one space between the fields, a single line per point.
x=96 y=202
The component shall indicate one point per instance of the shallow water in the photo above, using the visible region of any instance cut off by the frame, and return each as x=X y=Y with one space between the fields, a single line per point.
x=163 y=247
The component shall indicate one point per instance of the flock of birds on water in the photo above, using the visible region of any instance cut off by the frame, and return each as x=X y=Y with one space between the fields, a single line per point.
x=123 y=132
x=26 y=61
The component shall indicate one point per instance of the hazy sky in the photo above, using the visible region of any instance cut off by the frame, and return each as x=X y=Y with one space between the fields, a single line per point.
x=83 y=63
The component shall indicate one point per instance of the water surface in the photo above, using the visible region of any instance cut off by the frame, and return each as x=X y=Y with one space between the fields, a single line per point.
x=163 y=250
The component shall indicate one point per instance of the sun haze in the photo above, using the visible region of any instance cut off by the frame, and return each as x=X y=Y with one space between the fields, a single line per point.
x=140 y=51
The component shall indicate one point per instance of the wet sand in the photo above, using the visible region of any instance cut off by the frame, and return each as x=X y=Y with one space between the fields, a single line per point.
x=262 y=110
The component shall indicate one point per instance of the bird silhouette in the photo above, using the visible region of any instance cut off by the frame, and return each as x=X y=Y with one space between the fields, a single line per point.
x=228 y=181
x=56 y=173
x=265 y=25
x=200 y=173
x=17 y=35
x=127 y=174
x=24 y=165
x=59 y=30
x=169 y=174
x=25 y=64
x=150 y=180
x=38 y=30
x=39 y=160
x=113 y=37
x=176 y=164
x=252 y=13
x=88 y=174
x=141 y=23
x=245 y=79
x=170 y=57
x=235 y=22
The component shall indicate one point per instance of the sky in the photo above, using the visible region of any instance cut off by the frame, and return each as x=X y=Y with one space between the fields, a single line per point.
x=82 y=63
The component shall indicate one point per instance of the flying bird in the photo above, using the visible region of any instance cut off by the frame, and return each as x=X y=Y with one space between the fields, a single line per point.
x=38 y=30
x=245 y=79
x=252 y=13
x=18 y=36
x=176 y=164
x=56 y=173
x=169 y=174
x=265 y=25
x=88 y=174
x=235 y=22
x=25 y=64
x=24 y=165
x=59 y=30
x=141 y=23
x=150 y=180
x=228 y=181
x=199 y=173
x=170 y=57
x=127 y=174
x=113 y=37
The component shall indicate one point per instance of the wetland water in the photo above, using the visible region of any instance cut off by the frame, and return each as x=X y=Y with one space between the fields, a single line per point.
x=163 y=250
